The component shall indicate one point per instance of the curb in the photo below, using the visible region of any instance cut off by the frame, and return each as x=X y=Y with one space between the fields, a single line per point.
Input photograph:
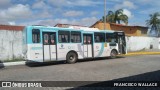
x=141 y=53
x=12 y=63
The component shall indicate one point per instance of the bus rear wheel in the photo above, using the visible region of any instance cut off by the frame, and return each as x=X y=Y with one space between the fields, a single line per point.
x=71 y=57
x=113 y=54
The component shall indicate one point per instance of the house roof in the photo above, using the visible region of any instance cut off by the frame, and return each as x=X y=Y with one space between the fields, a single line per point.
x=126 y=25
x=67 y=25
x=118 y=25
x=96 y=23
x=11 y=27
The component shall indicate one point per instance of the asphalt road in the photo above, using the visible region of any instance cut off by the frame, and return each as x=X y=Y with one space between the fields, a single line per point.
x=130 y=68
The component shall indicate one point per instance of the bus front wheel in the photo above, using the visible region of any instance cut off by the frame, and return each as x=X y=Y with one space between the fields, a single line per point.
x=71 y=57
x=113 y=54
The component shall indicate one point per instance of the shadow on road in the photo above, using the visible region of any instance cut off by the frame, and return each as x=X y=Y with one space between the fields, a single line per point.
x=40 y=64
x=1 y=65
x=150 y=76
x=98 y=59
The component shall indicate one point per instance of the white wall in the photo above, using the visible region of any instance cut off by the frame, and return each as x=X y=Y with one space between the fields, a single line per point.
x=10 y=44
x=140 y=43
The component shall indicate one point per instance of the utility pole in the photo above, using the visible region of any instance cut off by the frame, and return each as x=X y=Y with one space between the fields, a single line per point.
x=104 y=15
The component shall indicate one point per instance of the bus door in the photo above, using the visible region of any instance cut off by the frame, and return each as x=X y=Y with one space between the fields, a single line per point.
x=121 y=42
x=88 y=45
x=49 y=46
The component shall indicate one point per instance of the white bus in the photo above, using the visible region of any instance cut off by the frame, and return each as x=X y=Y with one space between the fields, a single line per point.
x=44 y=44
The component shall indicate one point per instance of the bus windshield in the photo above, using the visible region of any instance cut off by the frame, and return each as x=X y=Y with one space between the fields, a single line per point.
x=111 y=37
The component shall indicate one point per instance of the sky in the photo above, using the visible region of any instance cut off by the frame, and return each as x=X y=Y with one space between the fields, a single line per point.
x=77 y=12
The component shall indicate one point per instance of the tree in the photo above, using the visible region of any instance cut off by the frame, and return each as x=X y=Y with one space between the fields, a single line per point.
x=154 y=22
x=117 y=16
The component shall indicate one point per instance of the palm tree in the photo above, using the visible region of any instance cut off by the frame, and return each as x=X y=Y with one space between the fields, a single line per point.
x=117 y=16
x=154 y=22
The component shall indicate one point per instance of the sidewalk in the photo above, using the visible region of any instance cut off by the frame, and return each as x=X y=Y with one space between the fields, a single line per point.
x=141 y=53
x=147 y=52
x=12 y=63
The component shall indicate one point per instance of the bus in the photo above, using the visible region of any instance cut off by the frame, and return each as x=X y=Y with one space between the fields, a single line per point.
x=44 y=44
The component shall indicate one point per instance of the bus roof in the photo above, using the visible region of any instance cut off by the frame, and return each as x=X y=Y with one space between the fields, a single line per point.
x=74 y=28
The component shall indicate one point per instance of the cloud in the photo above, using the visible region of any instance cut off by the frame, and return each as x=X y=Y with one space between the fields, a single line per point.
x=16 y=12
x=148 y=3
x=93 y=13
x=58 y=3
x=39 y=5
x=5 y=3
x=42 y=9
x=86 y=2
x=4 y=22
x=21 y=12
x=145 y=1
x=12 y=23
x=42 y=14
x=125 y=4
x=73 y=13
x=128 y=13
x=84 y=21
x=88 y=21
x=148 y=11
x=71 y=3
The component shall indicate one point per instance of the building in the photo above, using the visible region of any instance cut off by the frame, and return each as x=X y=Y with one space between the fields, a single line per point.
x=129 y=30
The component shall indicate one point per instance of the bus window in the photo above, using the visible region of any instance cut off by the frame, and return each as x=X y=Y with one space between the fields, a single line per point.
x=99 y=37
x=87 y=39
x=52 y=40
x=46 y=39
x=75 y=37
x=111 y=37
x=36 y=36
x=63 y=36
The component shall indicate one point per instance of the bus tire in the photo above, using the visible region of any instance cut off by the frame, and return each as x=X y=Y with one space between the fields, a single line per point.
x=71 y=57
x=113 y=54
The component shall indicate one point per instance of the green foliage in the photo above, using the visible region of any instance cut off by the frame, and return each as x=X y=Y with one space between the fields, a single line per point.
x=117 y=16
x=154 y=22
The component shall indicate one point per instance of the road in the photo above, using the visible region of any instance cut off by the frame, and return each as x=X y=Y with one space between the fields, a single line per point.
x=130 y=68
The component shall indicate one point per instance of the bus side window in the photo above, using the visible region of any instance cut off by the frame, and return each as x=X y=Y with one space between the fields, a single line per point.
x=63 y=36
x=75 y=37
x=111 y=38
x=36 y=36
x=99 y=37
